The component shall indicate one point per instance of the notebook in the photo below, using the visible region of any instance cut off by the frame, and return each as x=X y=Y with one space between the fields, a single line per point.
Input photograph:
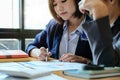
x=22 y=71
x=32 y=69
x=106 y=72
x=4 y=54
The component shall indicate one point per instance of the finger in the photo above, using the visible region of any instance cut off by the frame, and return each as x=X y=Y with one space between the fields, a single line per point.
x=42 y=49
x=41 y=57
x=79 y=59
x=66 y=57
x=62 y=57
x=72 y=58
x=49 y=54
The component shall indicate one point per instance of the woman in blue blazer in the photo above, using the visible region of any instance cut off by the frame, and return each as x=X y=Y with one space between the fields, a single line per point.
x=73 y=37
x=63 y=35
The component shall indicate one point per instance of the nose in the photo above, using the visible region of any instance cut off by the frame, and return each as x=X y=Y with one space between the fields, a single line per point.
x=60 y=7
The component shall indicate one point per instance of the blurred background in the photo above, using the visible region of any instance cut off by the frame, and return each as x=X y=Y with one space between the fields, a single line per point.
x=20 y=21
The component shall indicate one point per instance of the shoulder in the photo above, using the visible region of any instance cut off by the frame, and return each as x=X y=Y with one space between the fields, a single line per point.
x=53 y=24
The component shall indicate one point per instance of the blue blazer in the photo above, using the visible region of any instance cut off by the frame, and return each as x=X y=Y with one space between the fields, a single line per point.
x=50 y=38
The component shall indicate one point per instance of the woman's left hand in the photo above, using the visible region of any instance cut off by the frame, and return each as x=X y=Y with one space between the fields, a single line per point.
x=72 y=58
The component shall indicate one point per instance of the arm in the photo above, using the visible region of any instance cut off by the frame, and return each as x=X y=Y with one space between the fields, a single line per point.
x=41 y=41
x=105 y=48
x=100 y=40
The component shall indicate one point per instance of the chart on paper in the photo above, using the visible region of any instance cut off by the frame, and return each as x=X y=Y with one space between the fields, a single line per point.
x=52 y=65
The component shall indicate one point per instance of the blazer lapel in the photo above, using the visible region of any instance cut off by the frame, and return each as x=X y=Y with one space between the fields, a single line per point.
x=57 y=39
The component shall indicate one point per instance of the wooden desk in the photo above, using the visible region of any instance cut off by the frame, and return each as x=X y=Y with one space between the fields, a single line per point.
x=59 y=73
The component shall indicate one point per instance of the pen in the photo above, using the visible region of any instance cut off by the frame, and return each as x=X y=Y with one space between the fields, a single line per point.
x=46 y=58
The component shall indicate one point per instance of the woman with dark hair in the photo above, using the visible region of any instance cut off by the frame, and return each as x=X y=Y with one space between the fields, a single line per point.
x=74 y=37
x=103 y=32
x=63 y=35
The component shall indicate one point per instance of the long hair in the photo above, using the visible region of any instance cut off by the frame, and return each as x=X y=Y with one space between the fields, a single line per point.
x=119 y=3
x=59 y=19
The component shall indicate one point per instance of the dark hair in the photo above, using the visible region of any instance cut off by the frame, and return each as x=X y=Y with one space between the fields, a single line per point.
x=59 y=19
x=119 y=2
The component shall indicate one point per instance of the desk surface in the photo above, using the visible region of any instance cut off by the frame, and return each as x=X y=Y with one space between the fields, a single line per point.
x=59 y=73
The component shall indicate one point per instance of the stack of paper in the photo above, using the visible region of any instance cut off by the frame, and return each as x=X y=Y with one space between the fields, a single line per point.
x=33 y=69
x=15 y=69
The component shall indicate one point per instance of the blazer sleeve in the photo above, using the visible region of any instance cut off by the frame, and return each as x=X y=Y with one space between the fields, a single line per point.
x=41 y=39
x=101 y=42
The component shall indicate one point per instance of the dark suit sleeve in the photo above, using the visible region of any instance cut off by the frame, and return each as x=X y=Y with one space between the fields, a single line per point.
x=101 y=42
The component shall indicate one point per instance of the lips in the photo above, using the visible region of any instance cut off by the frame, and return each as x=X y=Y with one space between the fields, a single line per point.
x=63 y=13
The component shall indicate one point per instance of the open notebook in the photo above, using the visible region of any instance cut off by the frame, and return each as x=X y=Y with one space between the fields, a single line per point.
x=18 y=70
x=32 y=69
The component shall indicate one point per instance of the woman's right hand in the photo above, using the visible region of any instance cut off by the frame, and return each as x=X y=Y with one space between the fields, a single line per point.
x=40 y=54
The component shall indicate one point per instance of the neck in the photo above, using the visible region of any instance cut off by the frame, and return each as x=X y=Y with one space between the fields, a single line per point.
x=75 y=22
x=114 y=14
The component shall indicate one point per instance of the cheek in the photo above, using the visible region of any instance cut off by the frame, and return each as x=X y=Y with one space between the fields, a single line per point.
x=56 y=11
x=71 y=7
x=71 y=10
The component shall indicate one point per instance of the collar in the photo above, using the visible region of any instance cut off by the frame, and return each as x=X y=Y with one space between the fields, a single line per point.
x=116 y=26
x=117 y=22
x=77 y=31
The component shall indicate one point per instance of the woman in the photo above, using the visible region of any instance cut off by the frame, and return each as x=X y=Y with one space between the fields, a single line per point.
x=63 y=35
x=104 y=31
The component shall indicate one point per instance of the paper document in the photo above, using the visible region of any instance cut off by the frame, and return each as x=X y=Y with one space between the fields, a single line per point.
x=34 y=69
x=52 y=65
x=48 y=77
x=16 y=69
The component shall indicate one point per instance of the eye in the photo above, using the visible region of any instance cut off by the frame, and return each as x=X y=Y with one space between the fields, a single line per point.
x=54 y=4
x=63 y=1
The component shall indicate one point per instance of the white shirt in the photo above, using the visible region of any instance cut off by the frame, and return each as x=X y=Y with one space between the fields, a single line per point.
x=69 y=46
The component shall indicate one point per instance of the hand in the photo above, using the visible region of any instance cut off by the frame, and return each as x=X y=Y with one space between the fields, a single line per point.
x=40 y=53
x=96 y=8
x=72 y=58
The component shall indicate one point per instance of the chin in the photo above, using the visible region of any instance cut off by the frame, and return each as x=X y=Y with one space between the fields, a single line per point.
x=65 y=19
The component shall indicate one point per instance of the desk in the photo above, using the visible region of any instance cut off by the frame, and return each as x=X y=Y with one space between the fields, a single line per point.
x=59 y=73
